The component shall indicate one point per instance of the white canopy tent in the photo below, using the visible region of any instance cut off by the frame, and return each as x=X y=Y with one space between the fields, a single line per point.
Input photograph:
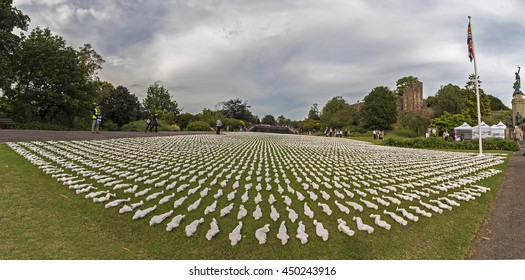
x=498 y=130
x=485 y=131
x=463 y=132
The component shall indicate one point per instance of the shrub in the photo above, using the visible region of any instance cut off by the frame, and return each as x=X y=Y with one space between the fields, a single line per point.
x=439 y=143
x=41 y=126
x=109 y=126
x=198 y=126
x=140 y=125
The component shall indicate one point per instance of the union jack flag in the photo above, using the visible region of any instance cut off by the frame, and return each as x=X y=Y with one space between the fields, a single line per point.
x=470 y=44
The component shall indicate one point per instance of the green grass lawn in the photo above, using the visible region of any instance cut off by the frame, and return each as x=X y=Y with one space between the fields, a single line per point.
x=42 y=219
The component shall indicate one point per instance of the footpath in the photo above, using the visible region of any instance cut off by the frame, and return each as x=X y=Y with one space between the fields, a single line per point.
x=501 y=237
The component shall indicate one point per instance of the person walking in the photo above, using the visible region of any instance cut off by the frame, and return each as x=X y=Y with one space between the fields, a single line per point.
x=218 y=127
x=96 y=119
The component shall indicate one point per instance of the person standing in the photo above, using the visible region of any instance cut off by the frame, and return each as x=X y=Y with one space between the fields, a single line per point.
x=154 y=123
x=148 y=124
x=523 y=133
x=218 y=127
x=518 y=134
x=96 y=119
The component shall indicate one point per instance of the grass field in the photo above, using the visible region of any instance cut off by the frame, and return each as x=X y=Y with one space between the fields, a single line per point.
x=44 y=219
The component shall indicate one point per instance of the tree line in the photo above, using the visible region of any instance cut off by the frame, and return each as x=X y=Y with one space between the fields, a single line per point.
x=43 y=80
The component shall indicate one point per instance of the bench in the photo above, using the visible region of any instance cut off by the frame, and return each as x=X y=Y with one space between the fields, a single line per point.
x=7 y=123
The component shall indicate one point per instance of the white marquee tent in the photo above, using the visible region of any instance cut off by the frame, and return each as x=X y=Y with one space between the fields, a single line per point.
x=498 y=130
x=485 y=131
x=463 y=132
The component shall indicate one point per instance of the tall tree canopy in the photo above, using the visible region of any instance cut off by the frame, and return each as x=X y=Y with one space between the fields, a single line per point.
x=158 y=100
x=238 y=109
x=10 y=18
x=336 y=113
x=313 y=114
x=120 y=106
x=91 y=61
x=269 y=119
x=379 y=110
x=405 y=82
x=50 y=82
x=449 y=98
x=470 y=100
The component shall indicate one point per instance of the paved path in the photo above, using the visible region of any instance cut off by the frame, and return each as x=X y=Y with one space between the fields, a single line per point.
x=502 y=236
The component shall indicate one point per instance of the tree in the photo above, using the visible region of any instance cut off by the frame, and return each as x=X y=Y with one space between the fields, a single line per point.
x=158 y=100
x=50 y=84
x=313 y=114
x=449 y=98
x=336 y=113
x=184 y=119
x=470 y=100
x=496 y=104
x=405 y=82
x=413 y=121
x=238 y=109
x=91 y=61
x=447 y=122
x=11 y=18
x=209 y=116
x=269 y=119
x=120 y=106
x=379 y=110
x=308 y=125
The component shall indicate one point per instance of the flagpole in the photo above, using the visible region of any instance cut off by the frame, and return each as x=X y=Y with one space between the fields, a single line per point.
x=477 y=90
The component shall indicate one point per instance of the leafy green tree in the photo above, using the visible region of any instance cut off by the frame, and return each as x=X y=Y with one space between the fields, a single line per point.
x=120 y=106
x=158 y=100
x=269 y=119
x=91 y=61
x=184 y=119
x=309 y=124
x=414 y=122
x=449 y=98
x=238 y=109
x=379 y=110
x=209 y=116
x=470 y=100
x=51 y=84
x=405 y=82
x=10 y=18
x=504 y=116
x=336 y=113
x=447 y=122
x=496 y=104
x=103 y=90
x=313 y=114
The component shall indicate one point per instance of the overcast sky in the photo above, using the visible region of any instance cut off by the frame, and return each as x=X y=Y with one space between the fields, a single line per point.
x=282 y=56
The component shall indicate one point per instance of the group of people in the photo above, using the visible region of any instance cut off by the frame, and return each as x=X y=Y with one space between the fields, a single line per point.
x=378 y=134
x=329 y=132
x=152 y=122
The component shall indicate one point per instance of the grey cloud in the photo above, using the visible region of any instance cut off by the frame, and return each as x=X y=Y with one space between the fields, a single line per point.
x=283 y=56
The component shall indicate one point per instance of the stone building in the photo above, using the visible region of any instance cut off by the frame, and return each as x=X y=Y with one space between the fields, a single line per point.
x=412 y=101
